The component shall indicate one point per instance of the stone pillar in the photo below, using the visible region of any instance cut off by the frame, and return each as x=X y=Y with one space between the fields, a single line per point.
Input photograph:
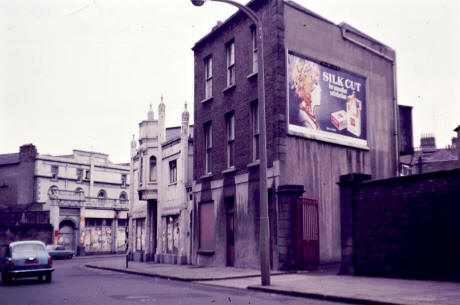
x=81 y=232
x=287 y=199
x=54 y=219
x=347 y=184
x=114 y=232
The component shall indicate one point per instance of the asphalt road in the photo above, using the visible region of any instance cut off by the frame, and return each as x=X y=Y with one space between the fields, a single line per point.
x=75 y=284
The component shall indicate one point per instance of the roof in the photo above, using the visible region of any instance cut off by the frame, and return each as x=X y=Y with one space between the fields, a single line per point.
x=254 y=3
x=15 y=243
x=9 y=158
x=174 y=132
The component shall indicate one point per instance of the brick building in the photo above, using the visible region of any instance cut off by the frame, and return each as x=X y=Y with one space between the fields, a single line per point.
x=331 y=109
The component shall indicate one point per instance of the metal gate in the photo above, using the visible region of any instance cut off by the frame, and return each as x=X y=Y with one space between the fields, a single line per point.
x=307 y=224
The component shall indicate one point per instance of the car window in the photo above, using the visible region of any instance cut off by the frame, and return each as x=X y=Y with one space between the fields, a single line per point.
x=60 y=248
x=51 y=247
x=27 y=249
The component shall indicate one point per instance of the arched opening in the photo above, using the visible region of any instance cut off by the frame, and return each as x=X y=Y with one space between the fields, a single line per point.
x=123 y=197
x=67 y=234
x=80 y=193
x=53 y=192
x=153 y=168
x=102 y=194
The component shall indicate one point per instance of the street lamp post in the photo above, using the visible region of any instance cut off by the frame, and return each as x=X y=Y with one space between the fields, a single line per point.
x=264 y=245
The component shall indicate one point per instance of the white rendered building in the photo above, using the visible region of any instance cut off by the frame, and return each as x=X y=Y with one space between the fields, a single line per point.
x=160 y=190
x=87 y=196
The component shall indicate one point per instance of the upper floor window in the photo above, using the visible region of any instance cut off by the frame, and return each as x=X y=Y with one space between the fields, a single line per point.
x=123 y=196
x=153 y=168
x=102 y=194
x=230 y=128
x=230 y=50
x=54 y=171
x=141 y=170
x=254 y=48
x=173 y=171
x=123 y=180
x=255 y=130
x=208 y=146
x=208 y=76
x=53 y=192
x=88 y=174
x=79 y=174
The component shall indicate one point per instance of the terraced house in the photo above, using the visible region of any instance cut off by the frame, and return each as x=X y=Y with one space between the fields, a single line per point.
x=331 y=109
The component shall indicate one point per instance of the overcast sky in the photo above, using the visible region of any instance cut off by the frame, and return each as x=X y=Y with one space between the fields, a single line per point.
x=80 y=74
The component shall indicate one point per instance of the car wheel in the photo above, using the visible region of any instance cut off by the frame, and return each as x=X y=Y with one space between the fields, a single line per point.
x=48 y=277
x=5 y=279
x=40 y=277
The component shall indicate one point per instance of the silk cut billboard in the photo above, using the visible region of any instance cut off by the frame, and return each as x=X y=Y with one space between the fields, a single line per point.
x=326 y=102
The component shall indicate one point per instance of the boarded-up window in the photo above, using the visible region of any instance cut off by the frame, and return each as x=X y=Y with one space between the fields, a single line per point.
x=207 y=225
x=140 y=234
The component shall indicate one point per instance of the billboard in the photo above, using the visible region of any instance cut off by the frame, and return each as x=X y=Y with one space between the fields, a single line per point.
x=326 y=102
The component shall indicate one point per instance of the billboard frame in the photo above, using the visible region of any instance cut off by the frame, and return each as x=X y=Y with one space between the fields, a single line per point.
x=321 y=135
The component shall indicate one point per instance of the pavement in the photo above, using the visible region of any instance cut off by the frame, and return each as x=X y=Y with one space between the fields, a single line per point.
x=322 y=284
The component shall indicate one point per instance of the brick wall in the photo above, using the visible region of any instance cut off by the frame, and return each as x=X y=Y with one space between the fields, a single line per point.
x=402 y=227
x=238 y=99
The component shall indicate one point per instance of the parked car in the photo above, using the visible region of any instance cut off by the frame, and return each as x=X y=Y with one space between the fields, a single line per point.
x=59 y=251
x=26 y=259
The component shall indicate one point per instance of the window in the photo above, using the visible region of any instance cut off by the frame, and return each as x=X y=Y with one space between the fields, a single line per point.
x=102 y=194
x=141 y=169
x=254 y=49
x=122 y=222
x=123 y=197
x=230 y=49
x=173 y=171
x=140 y=234
x=255 y=130
x=230 y=127
x=208 y=76
x=79 y=174
x=207 y=226
x=54 y=171
x=88 y=174
x=208 y=146
x=80 y=193
x=172 y=234
x=53 y=192
x=123 y=180
x=153 y=168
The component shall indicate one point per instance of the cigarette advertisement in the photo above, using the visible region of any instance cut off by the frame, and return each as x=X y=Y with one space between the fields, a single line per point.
x=326 y=102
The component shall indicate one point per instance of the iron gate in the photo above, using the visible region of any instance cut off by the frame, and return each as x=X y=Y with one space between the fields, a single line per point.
x=307 y=224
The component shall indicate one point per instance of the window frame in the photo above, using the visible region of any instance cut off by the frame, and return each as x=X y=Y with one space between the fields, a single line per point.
x=230 y=138
x=54 y=171
x=208 y=77
x=254 y=62
x=207 y=242
x=152 y=168
x=173 y=171
x=207 y=128
x=230 y=60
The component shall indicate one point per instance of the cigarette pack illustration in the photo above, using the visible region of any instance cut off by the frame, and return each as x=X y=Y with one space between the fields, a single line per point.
x=339 y=119
x=354 y=115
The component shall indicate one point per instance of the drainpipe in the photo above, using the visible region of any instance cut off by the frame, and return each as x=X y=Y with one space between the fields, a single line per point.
x=395 y=101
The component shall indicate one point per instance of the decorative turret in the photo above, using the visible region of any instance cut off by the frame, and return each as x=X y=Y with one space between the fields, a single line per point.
x=161 y=120
x=185 y=118
x=150 y=114
x=133 y=142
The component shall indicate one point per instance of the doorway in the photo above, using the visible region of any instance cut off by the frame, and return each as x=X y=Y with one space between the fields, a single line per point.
x=230 y=229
